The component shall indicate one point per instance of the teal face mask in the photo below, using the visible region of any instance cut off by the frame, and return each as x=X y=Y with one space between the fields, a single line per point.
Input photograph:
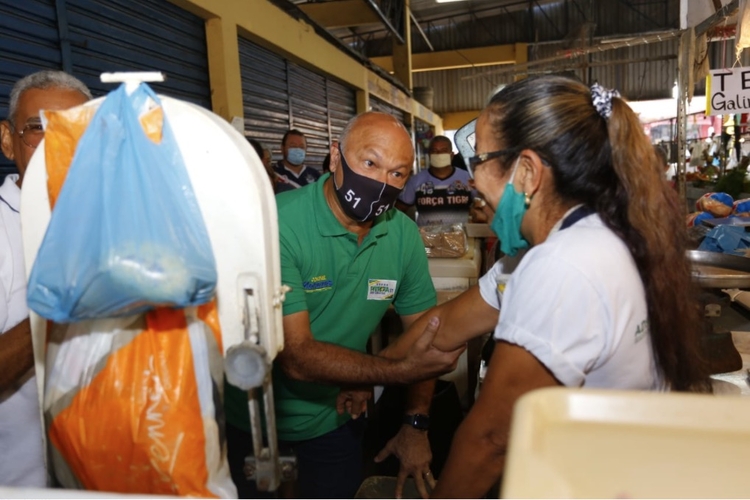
x=506 y=223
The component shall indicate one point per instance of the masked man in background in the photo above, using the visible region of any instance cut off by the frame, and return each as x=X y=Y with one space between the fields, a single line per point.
x=441 y=194
x=292 y=169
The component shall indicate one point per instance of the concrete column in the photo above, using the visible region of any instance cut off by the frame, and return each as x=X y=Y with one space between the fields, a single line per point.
x=224 y=68
x=363 y=101
x=402 y=52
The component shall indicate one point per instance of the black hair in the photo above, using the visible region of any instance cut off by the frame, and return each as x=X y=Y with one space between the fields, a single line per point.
x=293 y=131
x=258 y=147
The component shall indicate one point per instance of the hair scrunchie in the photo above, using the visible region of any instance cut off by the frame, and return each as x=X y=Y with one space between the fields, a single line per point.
x=602 y=99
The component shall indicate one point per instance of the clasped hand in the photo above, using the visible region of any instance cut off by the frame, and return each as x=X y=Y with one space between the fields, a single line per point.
x=425 y=361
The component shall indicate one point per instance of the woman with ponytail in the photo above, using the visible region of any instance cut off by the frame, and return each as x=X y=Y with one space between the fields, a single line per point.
x=601 y=298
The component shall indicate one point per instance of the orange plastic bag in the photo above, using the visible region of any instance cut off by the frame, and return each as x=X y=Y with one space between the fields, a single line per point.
x=131 y=403
x=63 y=131
x=132 y=409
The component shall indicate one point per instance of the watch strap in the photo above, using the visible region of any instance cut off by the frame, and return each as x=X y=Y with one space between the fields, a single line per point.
x=418 y=421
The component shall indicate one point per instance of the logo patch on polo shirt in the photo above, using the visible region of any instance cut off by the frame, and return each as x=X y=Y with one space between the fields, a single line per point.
x=502 y=283
x=381 y=289
x=317 y=284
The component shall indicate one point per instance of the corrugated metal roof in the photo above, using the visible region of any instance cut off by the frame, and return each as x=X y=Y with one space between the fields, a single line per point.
x=452 y=92
x=551 y=21
x=640 y=72
x=550 y=27
x=650 y=75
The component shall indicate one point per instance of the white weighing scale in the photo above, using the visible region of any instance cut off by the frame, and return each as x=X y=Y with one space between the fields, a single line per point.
x=239 y=210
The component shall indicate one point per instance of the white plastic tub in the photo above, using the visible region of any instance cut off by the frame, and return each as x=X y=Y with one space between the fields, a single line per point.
x=576 y=443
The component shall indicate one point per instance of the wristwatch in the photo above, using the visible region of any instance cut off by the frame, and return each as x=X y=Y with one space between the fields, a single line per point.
x=418 y=421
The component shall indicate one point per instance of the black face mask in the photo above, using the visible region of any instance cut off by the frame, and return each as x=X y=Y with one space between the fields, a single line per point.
x=363 y=198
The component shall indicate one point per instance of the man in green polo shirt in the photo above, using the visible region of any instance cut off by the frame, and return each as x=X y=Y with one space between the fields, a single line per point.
x=347 y=256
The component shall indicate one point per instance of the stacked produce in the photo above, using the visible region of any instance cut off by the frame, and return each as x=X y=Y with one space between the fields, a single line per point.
x=717 y=206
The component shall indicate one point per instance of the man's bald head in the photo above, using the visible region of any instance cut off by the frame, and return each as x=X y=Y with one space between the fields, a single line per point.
x=376 y=145
x=382 y=121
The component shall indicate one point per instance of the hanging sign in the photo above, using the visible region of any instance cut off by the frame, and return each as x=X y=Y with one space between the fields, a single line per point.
x=728 y=91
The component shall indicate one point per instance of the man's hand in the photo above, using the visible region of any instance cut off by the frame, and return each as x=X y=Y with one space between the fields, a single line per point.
x=353 y=400
x=412 y=449
x=424 y=361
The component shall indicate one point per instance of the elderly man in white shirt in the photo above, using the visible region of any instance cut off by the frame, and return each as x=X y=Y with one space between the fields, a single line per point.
x=21 y=460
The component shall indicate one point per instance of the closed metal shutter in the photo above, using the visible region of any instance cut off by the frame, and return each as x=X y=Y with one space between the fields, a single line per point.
x=342 y=106
x=116 y=35
x=278 y=95
x=307 y=93
x=29 y=42
x=382 y=106
x=265 y=95
x=140 y=35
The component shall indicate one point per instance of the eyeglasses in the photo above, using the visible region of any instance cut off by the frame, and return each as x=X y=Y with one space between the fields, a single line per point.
x=32 y=133
x=474 y=161
x=465 y=139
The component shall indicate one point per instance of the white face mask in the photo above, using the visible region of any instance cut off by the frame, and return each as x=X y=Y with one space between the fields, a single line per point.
x=440 y=160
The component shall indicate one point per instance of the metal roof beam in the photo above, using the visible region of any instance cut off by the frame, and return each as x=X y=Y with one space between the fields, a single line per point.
x=347 y=14
x=374 y=7
x=564 y=55
x=421 y=32
x=552 y=23
x=342 y=14
x=452 y=59
x=721 y=14
x=639 y=12
x=575 y=4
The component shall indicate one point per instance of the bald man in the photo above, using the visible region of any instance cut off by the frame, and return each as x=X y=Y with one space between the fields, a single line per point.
x=347 y=257
x=21 y=462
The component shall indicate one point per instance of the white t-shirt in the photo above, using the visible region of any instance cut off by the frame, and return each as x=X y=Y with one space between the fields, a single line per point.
x=21 y=460
x=439 y=201
x=577 y=303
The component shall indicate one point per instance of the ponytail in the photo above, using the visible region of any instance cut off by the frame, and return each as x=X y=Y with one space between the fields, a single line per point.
x=652 y=226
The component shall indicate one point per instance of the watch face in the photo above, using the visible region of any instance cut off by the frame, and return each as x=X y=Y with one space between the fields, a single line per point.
x=421 y=422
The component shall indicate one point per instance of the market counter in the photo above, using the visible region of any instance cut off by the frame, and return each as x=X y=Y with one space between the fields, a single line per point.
x=457 y=273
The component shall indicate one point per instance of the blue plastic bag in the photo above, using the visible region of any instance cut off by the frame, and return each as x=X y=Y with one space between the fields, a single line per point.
x=726 y=238
x=126 y=234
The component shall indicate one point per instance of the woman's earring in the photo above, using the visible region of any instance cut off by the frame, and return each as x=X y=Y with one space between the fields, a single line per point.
x=527 y=200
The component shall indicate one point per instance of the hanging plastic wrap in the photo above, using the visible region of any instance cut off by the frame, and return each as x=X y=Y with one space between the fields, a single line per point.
x=132 y=404
x=444 y=241
x=126 y=234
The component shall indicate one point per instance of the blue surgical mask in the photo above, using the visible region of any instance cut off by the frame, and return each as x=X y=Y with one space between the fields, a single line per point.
x=507 y=220
x=295 y=156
